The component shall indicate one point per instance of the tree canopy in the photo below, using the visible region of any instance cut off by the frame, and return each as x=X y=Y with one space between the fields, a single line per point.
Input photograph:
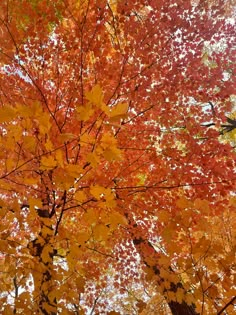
x=117 y=168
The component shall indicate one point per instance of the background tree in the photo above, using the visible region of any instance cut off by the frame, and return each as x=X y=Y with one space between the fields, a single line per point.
x=115 y=197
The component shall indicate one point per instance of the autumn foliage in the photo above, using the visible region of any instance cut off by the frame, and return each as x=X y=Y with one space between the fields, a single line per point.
x=117 y=175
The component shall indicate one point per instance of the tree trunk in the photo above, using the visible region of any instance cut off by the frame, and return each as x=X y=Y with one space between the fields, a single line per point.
x=182 y=308
x=176 y=308
x=41 y=248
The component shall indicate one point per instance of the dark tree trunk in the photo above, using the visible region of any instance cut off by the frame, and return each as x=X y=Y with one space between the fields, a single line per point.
x=182 y=308
x=176 y=308
x=44 y=253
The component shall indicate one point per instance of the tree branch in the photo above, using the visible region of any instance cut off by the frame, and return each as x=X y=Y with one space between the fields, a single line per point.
x=227 y=305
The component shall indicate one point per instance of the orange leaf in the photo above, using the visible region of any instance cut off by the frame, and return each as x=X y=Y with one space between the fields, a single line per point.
x=119 y=111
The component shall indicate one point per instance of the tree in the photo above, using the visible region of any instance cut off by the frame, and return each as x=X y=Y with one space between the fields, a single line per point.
x=116 y=198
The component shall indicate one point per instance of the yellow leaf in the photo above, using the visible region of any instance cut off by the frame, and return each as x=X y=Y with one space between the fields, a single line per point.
x=3 y=246
x=101 y=232
x=202 y=205
x=30 y=181
x=7 y=114
x=109 y=148
x=63 y=180
x=84 y=112
x=93 y=159
x=35 y=203
x=29 y=143
x=44 y=122
x=96 y=191
x=59 y=157
x=180 y=295
x=27 y=123
x=112 y=154
x=24 y=110
x=167 y=234
x=116 y=218
x=171 y=296
x=47 y=250
x=106 y=194
x=163 y=260
x=86 y=139
x=50 y=309
x=82 y=237
x=189 y=299
x=74 y=170
x=10 y=164
x=7 y=310
x=183 y=203
x=91 y=216
x=55 y=294
x=48 y=163
x=47 y=222
x=119 y=111
x=4 y=185
x=75 y=252
x=23 y=298
x=80 y=196
x=95 y=96
x=64 y=137
x=108 y=140
x=46 y=231
x=49 y=145
x=80 y=283
x=163 y=216
x=105 y=109
x=110 y=198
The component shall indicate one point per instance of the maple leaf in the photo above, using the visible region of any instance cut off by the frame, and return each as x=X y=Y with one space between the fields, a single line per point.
x=95 y=96
x=85 y=112
x=119 y=111
x=48 y=163
x=111 y=178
